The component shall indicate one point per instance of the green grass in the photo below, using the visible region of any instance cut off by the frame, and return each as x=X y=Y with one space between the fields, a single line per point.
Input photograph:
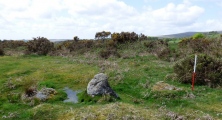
x=173 y=44
x=131 y=77
x=55 y=72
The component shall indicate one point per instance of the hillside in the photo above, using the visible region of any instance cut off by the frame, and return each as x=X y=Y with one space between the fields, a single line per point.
x=183 y=35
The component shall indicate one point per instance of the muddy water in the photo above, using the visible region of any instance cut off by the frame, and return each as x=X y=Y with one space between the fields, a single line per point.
x=72 y=95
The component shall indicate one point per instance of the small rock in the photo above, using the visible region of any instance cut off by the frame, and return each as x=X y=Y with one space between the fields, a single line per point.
x=48 y=91
x=174 y=116
x=180 y=118
x=191 y=96
x=42 y=95
x=171 y=115
x=206 y=117
x=45 y=93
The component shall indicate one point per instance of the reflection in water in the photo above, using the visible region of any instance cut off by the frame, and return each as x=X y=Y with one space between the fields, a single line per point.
x=72 y=95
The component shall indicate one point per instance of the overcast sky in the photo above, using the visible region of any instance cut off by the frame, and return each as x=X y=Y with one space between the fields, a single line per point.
x=64 y=19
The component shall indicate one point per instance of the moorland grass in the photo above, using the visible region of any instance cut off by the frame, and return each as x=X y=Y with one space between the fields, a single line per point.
x=132 y=77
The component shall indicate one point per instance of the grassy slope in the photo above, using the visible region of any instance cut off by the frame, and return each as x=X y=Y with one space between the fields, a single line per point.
x=131 y=78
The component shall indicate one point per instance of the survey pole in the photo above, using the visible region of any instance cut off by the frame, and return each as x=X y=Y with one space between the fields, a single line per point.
x=194 y=72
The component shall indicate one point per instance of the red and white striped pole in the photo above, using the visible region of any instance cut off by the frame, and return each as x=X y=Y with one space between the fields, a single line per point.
x=194 y=72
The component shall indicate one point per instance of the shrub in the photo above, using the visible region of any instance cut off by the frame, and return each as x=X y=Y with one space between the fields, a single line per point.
x=154 y=45
x=2 y=52
x=150 y=44
x=211 y=46
x=195 y=45
x=76 y=46
x=159 y=48
x=208 y=71
x=40 y=46
x=76 y=38
x=109 y=52
x=142 y=37
x=12 y=44
x=88 y=43
x=198 y=36
x=112 y=44
x=124 y=37
x=163 y=53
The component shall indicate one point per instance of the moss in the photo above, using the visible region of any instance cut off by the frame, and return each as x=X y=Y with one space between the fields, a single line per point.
x=167 y=94
x=85 y=98
x=58 y=97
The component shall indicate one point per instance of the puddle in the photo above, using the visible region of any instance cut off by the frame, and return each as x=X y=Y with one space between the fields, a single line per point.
x=72 y=95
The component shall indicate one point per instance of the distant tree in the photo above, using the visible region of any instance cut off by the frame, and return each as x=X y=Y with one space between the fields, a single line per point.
x=102 y=35
x=213 y=33
x=76 y=38
x=142 y=37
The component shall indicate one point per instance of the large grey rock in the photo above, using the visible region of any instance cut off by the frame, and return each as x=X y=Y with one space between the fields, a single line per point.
x=99 y=86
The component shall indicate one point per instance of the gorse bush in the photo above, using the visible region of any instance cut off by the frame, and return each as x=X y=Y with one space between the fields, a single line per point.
x=76 y=45
x=195 y=45
x=198 y=36
x=211 y=46
x=2 y=52
x=153 y=45
x=208 y=71
x=109 y=52
x=12 y=44
x=159 y=48
x=12 y=47
x=124 y=37
x=40 y=46
x=1 y=49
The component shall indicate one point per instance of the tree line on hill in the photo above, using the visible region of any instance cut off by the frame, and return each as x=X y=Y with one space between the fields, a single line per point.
x=42 y=46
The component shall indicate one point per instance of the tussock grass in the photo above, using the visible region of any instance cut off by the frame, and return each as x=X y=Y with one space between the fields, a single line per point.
x=111 y=111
